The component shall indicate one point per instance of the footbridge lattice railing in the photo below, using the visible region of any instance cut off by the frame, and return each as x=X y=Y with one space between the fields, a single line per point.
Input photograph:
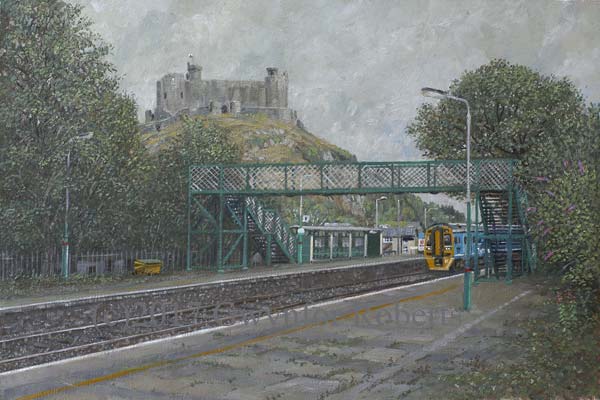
x=221 y=231
x=330 y=178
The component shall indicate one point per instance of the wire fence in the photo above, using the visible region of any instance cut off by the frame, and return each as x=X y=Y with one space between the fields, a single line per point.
x=86 y=263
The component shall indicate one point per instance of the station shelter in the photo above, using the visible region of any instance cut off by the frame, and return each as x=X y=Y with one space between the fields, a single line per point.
x=331 y=242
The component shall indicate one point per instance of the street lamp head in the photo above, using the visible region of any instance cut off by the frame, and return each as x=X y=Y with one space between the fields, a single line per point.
x=382 y=198
x=434 y=93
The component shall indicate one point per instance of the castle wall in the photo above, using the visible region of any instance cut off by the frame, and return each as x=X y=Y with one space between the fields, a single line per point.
x=282 y=114
x=250 y=93
x=173 y=94
x=176 y=93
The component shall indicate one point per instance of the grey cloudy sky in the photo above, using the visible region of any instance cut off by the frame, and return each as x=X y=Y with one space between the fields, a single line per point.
x=355 y=67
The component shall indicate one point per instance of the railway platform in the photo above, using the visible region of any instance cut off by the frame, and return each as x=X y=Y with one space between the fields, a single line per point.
x=144 y=283
x=394 y=343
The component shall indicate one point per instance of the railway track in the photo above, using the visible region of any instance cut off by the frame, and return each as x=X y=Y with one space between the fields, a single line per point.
x=127 y=326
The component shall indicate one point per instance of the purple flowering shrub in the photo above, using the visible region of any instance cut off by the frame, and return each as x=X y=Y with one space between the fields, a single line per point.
x=565 y=224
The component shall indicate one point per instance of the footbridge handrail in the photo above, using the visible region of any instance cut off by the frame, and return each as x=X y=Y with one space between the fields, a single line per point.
x=351 y=177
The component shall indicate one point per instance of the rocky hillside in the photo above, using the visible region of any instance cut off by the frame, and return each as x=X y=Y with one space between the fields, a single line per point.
x=262 y=140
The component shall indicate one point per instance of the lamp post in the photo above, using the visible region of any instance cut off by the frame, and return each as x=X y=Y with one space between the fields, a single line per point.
x=300 y=244
x=377 y=210
x=301 y=183
x=65 y=242
x=440 y=94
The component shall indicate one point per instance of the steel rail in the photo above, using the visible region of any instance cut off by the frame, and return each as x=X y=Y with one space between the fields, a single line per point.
x=52 y=355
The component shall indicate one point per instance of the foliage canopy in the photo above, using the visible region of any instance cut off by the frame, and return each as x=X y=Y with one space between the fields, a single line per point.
x=55 y=84
x=516 y=113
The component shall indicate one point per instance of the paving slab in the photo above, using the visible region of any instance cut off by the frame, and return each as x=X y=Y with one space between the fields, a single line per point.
x=310 y=359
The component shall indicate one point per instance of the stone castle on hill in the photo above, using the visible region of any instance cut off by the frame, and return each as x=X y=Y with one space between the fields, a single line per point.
x=188 y=93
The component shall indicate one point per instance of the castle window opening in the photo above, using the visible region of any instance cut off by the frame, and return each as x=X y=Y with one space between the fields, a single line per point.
x=165 y=95
x=181 y=94
x=224 y=109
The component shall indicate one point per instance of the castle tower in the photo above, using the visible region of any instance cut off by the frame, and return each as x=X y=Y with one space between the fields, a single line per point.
x=276 y=88
x=194 y=72
x=159 y=103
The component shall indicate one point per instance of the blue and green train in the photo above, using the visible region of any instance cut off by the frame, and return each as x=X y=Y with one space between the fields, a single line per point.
x=446 y=246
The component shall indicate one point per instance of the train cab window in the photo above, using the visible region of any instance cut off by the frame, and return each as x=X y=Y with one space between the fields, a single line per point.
x=447 y=240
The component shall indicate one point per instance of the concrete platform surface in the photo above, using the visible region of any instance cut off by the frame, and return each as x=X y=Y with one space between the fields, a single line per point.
x=392 y=344
x=140 y=283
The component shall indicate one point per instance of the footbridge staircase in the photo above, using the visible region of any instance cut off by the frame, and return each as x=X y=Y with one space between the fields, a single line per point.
x=228 y=220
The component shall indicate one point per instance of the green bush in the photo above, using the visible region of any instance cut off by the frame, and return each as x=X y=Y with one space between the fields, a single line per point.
x=567 y=234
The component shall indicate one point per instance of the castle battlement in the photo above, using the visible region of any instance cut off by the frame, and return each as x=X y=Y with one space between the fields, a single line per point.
x=177 y=93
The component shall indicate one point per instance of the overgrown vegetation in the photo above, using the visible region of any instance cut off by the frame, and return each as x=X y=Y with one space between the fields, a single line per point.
x=554 y=362
x=543 y=122
x=56 y=84
x=567 y=229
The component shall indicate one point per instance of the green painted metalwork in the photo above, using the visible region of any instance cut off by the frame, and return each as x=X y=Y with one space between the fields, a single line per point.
x=468 y=271
x=220 y=232
x=529 y=250
x=300 y=243
x=224 y=210
x=188 y=258
x=329 y=178
x=509 y=243
x=476 y=258
x=268 y=254
x=503 y=217
x=245 y=234
x=270 y=222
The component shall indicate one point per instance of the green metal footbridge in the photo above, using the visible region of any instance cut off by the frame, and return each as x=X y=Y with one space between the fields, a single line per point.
x=226 y=215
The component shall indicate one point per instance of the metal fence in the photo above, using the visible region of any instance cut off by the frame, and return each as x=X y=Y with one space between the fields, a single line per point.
x=86 y=263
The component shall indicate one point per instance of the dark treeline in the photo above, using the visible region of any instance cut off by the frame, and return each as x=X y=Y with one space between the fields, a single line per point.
x=55 y=86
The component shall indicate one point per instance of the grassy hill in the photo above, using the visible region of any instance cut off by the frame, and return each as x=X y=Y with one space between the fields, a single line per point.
x=262 y=140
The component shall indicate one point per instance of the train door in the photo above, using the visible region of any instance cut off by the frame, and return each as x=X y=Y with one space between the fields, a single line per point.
x=448 y=248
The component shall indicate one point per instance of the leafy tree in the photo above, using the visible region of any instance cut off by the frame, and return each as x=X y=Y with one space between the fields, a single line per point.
x=516 y=113
x=163 y=205
x=55 y=84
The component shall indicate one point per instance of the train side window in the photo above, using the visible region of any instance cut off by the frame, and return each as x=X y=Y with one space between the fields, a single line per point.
x=465 y=239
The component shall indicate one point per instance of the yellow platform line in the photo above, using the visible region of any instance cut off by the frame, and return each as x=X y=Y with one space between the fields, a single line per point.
x=223 y=349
